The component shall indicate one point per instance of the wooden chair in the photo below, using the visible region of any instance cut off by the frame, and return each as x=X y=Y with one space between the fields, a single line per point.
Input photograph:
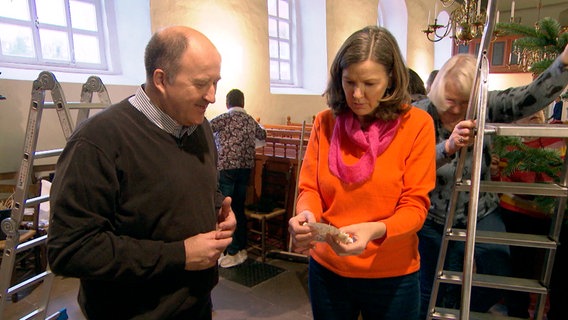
x=272 y=204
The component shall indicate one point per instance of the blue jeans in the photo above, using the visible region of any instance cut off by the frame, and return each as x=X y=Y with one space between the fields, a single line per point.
x=489 y=259
x=336 y=297
x=233 y=183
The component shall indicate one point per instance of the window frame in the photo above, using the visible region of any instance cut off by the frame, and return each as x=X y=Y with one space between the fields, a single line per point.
x=509 y=60
x=103 y=22
x=291 y=42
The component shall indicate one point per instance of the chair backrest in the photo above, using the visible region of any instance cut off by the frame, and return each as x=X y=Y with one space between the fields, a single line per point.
x=275 y=184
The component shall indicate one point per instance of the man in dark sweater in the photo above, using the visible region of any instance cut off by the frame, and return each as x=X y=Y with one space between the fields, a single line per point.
x=136 y=210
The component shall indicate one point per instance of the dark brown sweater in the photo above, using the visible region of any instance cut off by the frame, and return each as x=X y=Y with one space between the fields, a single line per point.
x=125 y=196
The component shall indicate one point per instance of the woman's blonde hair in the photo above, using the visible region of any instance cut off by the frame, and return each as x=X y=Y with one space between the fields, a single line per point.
x=460 y=70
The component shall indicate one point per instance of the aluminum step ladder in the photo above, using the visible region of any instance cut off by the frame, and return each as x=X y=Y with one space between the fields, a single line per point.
x=46 y=81
x=474 y=185
x=549 y=242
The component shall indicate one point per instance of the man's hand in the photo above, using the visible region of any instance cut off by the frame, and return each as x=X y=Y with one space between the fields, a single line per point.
x=226 y=220
x=203 y=250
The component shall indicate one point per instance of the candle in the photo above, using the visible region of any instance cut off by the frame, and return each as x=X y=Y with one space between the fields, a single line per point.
x=478 y=7
x=513 y=10
x=428 y=16
x=435 y=9
x=497 y=17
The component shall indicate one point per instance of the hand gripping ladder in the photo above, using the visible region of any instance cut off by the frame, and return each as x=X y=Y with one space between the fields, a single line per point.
x=11 y=225
x=478 y=104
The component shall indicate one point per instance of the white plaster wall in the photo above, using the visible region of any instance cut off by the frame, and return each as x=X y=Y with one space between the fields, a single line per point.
x=239 y=30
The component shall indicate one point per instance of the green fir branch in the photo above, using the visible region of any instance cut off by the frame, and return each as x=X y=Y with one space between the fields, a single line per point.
x=521 y=157
x=549 y=29
x=540 y=66
x=536 y=43
x=563 y=40
x=508 y=28
x=546 y=37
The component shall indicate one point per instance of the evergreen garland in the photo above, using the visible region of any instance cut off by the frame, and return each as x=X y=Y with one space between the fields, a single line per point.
x=521 y=157
x=546 y=37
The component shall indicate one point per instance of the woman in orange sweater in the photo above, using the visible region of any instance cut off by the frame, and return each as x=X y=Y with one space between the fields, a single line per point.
x=368 y=169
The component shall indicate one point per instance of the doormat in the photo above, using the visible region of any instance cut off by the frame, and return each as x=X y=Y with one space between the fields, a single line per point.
x=250 y=273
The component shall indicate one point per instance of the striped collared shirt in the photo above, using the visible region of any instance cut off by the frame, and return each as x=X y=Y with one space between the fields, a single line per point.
x=142 y=103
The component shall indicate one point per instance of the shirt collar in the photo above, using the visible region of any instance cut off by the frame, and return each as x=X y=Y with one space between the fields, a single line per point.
x=237 y=109
x=142 y=103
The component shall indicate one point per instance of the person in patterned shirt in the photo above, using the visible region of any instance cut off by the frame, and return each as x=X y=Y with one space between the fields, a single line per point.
x=235 y=135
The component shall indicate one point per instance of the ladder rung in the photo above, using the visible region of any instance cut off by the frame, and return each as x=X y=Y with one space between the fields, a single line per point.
x=32 y=315
x=47 y=153
x=527 y=130
x=507 y=238
x=496 y=282
x=445 y=313
x=56 y=315
x=61 y=314
x=77 y=105
x=32 y=243
x=37 y=200
x=540 y=189
x=28 y=283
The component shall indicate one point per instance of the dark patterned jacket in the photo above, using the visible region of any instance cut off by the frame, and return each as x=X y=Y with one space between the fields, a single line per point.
x=235 y=135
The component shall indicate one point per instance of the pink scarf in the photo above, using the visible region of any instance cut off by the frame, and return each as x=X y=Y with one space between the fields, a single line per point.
x=374 y=142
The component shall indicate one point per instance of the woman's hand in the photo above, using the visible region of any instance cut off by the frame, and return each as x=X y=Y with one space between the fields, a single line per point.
x=361 y=233
x=462 y=136
x=300 y=233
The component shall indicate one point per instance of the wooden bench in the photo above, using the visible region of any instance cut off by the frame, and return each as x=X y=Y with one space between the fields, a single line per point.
x=285 y=140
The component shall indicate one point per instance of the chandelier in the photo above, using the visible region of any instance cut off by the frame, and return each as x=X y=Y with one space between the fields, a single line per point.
x=466 y=22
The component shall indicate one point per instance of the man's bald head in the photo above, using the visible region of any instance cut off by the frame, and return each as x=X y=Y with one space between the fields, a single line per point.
x=182 y=70
x=167 y=46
